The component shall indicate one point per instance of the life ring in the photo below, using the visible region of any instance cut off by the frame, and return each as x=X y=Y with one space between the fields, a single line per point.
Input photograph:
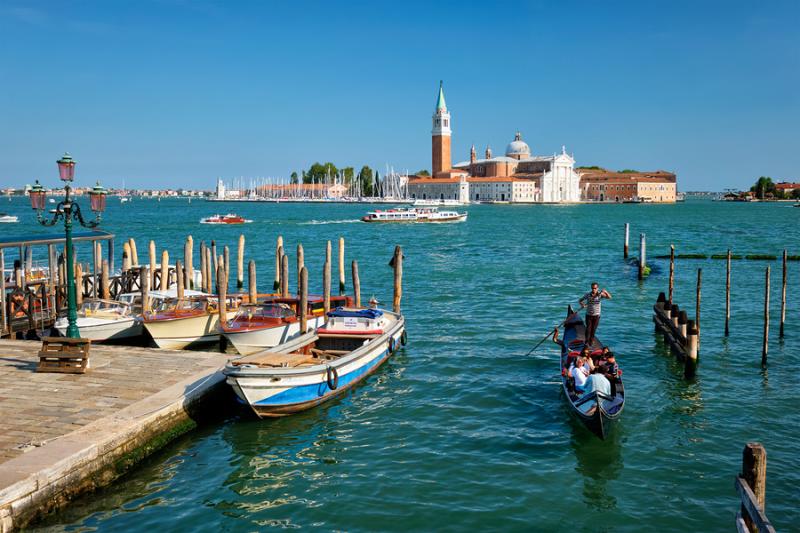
x=404 y=338
x=332 y=377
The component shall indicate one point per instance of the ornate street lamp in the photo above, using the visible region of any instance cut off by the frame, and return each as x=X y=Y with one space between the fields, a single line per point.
x=68 y=211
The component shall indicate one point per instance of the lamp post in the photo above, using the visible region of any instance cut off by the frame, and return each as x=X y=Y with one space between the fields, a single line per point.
x=69 y=210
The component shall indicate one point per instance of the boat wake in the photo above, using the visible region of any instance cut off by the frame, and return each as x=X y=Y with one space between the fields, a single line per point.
x=315 y=222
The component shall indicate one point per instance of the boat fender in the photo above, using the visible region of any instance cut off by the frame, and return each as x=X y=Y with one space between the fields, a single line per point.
x=332 y=377
x=392 y=345
x=404 y=338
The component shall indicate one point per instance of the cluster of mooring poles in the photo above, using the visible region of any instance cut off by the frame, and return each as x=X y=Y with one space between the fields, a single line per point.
x=214 y=274
x=678 y=330
x=641 y=263
x=681 y=333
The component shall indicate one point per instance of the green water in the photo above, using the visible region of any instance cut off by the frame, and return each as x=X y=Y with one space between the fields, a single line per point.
x=460 y=430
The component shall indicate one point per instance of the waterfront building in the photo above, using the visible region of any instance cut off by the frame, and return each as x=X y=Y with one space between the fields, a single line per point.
x=518 y=176
x=600 y=185
x=787 y=188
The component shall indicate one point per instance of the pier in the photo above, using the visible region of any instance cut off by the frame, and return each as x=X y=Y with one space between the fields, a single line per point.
x=69 y=434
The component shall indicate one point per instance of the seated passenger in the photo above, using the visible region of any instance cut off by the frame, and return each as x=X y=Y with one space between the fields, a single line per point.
x=586 y=354
x=580 y=373
x=610 y=369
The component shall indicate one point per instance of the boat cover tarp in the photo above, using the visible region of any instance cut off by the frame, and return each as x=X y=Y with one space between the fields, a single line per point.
x=361 y=313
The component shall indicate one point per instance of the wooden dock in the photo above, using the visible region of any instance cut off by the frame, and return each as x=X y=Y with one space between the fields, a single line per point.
x=67 y=434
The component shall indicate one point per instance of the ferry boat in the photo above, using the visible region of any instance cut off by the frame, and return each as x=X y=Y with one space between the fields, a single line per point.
x=8 y=219
x=318 y=365
x=447 y=202
x=414 y=214
x=273 y=321
x=230 y=218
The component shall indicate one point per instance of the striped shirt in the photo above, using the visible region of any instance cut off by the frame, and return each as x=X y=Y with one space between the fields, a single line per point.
x=592 y=303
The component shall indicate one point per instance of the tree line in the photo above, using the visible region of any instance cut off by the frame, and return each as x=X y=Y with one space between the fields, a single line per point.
x=368 y=179
x=766 y=188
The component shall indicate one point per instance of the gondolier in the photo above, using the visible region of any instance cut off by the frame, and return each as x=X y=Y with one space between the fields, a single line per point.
x=591 y=301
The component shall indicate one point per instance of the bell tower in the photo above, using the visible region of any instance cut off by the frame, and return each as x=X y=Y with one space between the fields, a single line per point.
x=440 y=137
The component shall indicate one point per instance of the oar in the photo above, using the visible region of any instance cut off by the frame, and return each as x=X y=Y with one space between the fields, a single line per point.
x=553 y=331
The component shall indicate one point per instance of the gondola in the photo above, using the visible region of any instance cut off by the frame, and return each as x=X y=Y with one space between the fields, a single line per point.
x=595 y=409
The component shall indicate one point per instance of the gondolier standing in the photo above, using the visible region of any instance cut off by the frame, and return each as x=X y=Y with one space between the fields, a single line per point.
x=591 y=301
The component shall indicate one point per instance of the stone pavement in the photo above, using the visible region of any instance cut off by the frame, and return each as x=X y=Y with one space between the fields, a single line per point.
x=36 y=408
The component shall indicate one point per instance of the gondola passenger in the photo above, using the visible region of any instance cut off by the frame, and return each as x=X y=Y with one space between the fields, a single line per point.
x=580 y=373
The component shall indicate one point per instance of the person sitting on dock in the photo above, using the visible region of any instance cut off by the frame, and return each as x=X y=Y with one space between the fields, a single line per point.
x=591 y=300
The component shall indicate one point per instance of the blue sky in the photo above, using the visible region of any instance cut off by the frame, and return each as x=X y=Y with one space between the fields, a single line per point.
x=175 y=93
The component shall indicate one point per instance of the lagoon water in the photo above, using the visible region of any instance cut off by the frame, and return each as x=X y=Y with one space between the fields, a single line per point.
x=462 y=430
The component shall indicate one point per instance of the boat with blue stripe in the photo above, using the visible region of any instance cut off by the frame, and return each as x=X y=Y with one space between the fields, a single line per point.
x=319 y=365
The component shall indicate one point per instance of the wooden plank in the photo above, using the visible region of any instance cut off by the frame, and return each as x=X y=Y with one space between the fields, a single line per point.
x=750 y=505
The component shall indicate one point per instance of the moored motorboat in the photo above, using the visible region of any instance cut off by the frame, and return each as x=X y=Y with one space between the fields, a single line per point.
x=318 y=365
x=8 y=219
x=186 y=322
x=230 y=218
x=103 y=320
x=596 y=409
x=273 y=320
x=414 y=214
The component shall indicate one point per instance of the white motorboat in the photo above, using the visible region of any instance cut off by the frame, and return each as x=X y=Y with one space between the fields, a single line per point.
x=179 y=323
x=414 y=214
x=273 y=321
x=8 y=219
x=103 y=320
x=318 y=365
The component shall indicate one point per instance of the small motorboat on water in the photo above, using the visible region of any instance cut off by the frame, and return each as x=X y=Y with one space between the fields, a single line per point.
x=178 y=323
x=414 y=214
x=273 y=320
x=8 y=219
x=230 y=218
x=596 y=409
x=318 y=365
x=104 y=320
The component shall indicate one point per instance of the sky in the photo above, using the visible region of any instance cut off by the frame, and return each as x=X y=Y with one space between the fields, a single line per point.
x=173 y=93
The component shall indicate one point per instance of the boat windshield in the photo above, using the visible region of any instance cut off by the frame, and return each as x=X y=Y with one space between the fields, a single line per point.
x=171 y=304
x=265 y=311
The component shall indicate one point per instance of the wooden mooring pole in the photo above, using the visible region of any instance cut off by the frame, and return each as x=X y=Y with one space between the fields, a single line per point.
x=398 y=278
x=627 y=235
x=341 y=265
x=697 y=305
x=188 y=270
x=303 y=300
x=356 y=284
x=326 y=286
x=783 y=296
x=144 y=280
x=152 y=251
x=164 y=271
x=728 y=294
x=285 y=276
x=78 y=285
x=642 y=254
x=276 y=285
x=240 y=264
x=671 y=271
x=214 y=258
x=134 y=254
x=754 y=475
x=251 y=282
x=105 y=289
x=179 y=279
x=222 y=291
x=203 y=271
x=765 y=345
x=300 y=264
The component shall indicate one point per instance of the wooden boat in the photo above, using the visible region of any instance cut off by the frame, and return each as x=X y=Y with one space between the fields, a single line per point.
x=414 y=214
x=230 y=218
x=103 y=320
x=186 y=322
x=318 y=365
x=596 y=409
x=273 y=320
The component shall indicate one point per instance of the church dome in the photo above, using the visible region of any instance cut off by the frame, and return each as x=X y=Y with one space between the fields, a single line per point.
x=518 y=147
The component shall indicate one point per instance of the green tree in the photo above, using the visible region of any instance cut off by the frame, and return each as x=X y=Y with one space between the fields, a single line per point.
x=628 y=171
x=763 y=187
x=366 y=181
x=796 y=194
x=423 y=172
x=349 y=174
x=294 y=178
x=319 y=171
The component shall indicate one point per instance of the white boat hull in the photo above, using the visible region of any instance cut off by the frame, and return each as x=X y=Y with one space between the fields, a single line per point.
x=275 y=392
x=99 y=330
x=250 y=342
x=180 y=333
